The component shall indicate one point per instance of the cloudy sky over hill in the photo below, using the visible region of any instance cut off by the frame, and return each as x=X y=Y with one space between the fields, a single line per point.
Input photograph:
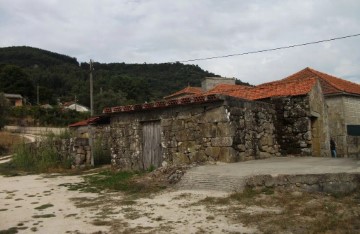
x=156 y=31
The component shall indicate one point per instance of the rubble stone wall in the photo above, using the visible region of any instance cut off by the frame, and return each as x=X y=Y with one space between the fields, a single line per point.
x=229 y=131
x=293 y=125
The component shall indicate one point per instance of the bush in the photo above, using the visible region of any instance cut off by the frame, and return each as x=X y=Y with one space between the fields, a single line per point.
x=42 y=158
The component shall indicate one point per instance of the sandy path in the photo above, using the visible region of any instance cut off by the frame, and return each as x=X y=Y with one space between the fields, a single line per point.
x=20 y=196
x=67 y=211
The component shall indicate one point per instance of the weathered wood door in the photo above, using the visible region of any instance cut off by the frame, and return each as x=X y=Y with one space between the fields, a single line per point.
x=152 y=155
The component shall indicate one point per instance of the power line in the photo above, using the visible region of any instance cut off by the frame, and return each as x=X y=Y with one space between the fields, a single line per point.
x=273 y=49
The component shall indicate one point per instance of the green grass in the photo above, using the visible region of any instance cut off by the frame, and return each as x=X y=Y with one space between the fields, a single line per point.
x=115 y=181
x=42 y=207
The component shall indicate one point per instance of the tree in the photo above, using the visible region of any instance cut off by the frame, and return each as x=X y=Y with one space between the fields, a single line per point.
x=14 y=80
x=4 y=107
x=108 y=99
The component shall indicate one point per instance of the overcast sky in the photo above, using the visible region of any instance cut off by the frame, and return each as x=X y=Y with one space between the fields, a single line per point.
x=157 y=31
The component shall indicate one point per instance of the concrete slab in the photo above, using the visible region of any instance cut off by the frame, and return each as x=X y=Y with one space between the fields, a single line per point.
x=308 y=171
x=283 y=165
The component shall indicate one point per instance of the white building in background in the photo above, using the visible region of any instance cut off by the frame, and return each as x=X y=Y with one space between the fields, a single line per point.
x=77 y=107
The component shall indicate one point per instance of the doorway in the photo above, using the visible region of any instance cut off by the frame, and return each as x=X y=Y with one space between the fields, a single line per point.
x=151 y=142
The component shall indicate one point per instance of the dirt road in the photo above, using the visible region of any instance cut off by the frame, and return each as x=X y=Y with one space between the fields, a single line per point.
x=41 y=204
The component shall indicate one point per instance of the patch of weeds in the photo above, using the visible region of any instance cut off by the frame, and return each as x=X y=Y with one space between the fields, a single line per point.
x=98 y=222
x=131 y=213
x=11 y=230
x=215 y=201
x=43 y=207
x=128 y=202
x=82 y=187
x=34 y=202
x=159 y=218
x=19 y=199
x=34 y=229
x=70 y=215
x=31 y=196
x=182 y=196
x=3 y=210
x=43 y=216
x=210 y=217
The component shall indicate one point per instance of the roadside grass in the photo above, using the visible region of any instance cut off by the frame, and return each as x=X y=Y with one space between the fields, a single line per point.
x=7 y=141
x=286 y=211
x=124 y=181
x=43 y=207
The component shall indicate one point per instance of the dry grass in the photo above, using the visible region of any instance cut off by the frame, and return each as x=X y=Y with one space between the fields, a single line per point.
x=7 y=141
x=284 y=211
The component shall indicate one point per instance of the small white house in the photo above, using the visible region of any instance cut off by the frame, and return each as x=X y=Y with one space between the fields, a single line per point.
x=77 y=107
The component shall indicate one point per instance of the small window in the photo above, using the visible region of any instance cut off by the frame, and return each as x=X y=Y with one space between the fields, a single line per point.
x=353 y=130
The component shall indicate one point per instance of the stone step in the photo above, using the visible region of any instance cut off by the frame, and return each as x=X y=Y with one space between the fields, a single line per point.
x=202 y=181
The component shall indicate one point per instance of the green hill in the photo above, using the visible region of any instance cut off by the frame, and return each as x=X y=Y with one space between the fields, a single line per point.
x=61 y=77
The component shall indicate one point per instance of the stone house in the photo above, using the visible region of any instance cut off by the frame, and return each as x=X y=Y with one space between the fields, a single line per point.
x=14 y=99
x=225 y=122
x=343 y=109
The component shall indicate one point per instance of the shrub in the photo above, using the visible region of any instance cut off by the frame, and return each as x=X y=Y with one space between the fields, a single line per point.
x=42 y=158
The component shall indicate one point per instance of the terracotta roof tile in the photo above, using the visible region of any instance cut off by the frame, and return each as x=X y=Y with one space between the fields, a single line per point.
x=85 y=122
x=188 y=90
x=330 y=84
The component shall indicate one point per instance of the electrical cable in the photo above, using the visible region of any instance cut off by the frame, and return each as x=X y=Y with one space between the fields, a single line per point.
x=267 y=50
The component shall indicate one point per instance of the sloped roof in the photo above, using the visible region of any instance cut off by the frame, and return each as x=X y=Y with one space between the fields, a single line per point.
x=91 y=120
x=187 y=90
x=329 y=84
x=226 y=88
x=84 y=122
x=13 y=95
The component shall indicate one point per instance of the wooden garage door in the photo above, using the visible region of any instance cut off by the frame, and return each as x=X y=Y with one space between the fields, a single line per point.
x=152 y=155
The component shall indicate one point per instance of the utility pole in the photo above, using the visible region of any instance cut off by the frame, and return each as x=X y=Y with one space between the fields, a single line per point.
x=91 y=89
x=37 y=95
x=91 y=113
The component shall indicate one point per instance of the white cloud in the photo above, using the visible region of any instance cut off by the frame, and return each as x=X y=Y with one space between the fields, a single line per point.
x=162 y=31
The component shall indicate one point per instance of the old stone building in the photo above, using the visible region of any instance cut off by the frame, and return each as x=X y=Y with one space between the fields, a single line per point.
x=343 y=109
x=225 y=122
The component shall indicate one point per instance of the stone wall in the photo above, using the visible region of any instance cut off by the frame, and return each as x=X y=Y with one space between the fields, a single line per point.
x=229 y=130
x=343 y=111
x=293 y=125
x=352 y=110
x=337 y=127
x=320 y=136
x=255 y=133
x=77 y=150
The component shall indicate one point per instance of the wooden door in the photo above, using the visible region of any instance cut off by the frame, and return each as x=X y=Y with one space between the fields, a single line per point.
x=152 y=155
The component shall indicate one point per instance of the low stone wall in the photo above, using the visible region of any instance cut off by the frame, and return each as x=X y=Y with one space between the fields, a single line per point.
x=35 y=130
x=77 y=150
x=337 y=183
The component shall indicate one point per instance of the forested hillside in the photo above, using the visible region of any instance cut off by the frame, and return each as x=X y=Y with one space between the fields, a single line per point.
x=63 y=78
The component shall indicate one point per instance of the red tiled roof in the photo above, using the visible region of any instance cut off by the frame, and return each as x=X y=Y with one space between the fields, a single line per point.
x=330 y=84
x=188 y=90
x=272 y=89
x=85 y=122
x=163 y=104
x=226 y=88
